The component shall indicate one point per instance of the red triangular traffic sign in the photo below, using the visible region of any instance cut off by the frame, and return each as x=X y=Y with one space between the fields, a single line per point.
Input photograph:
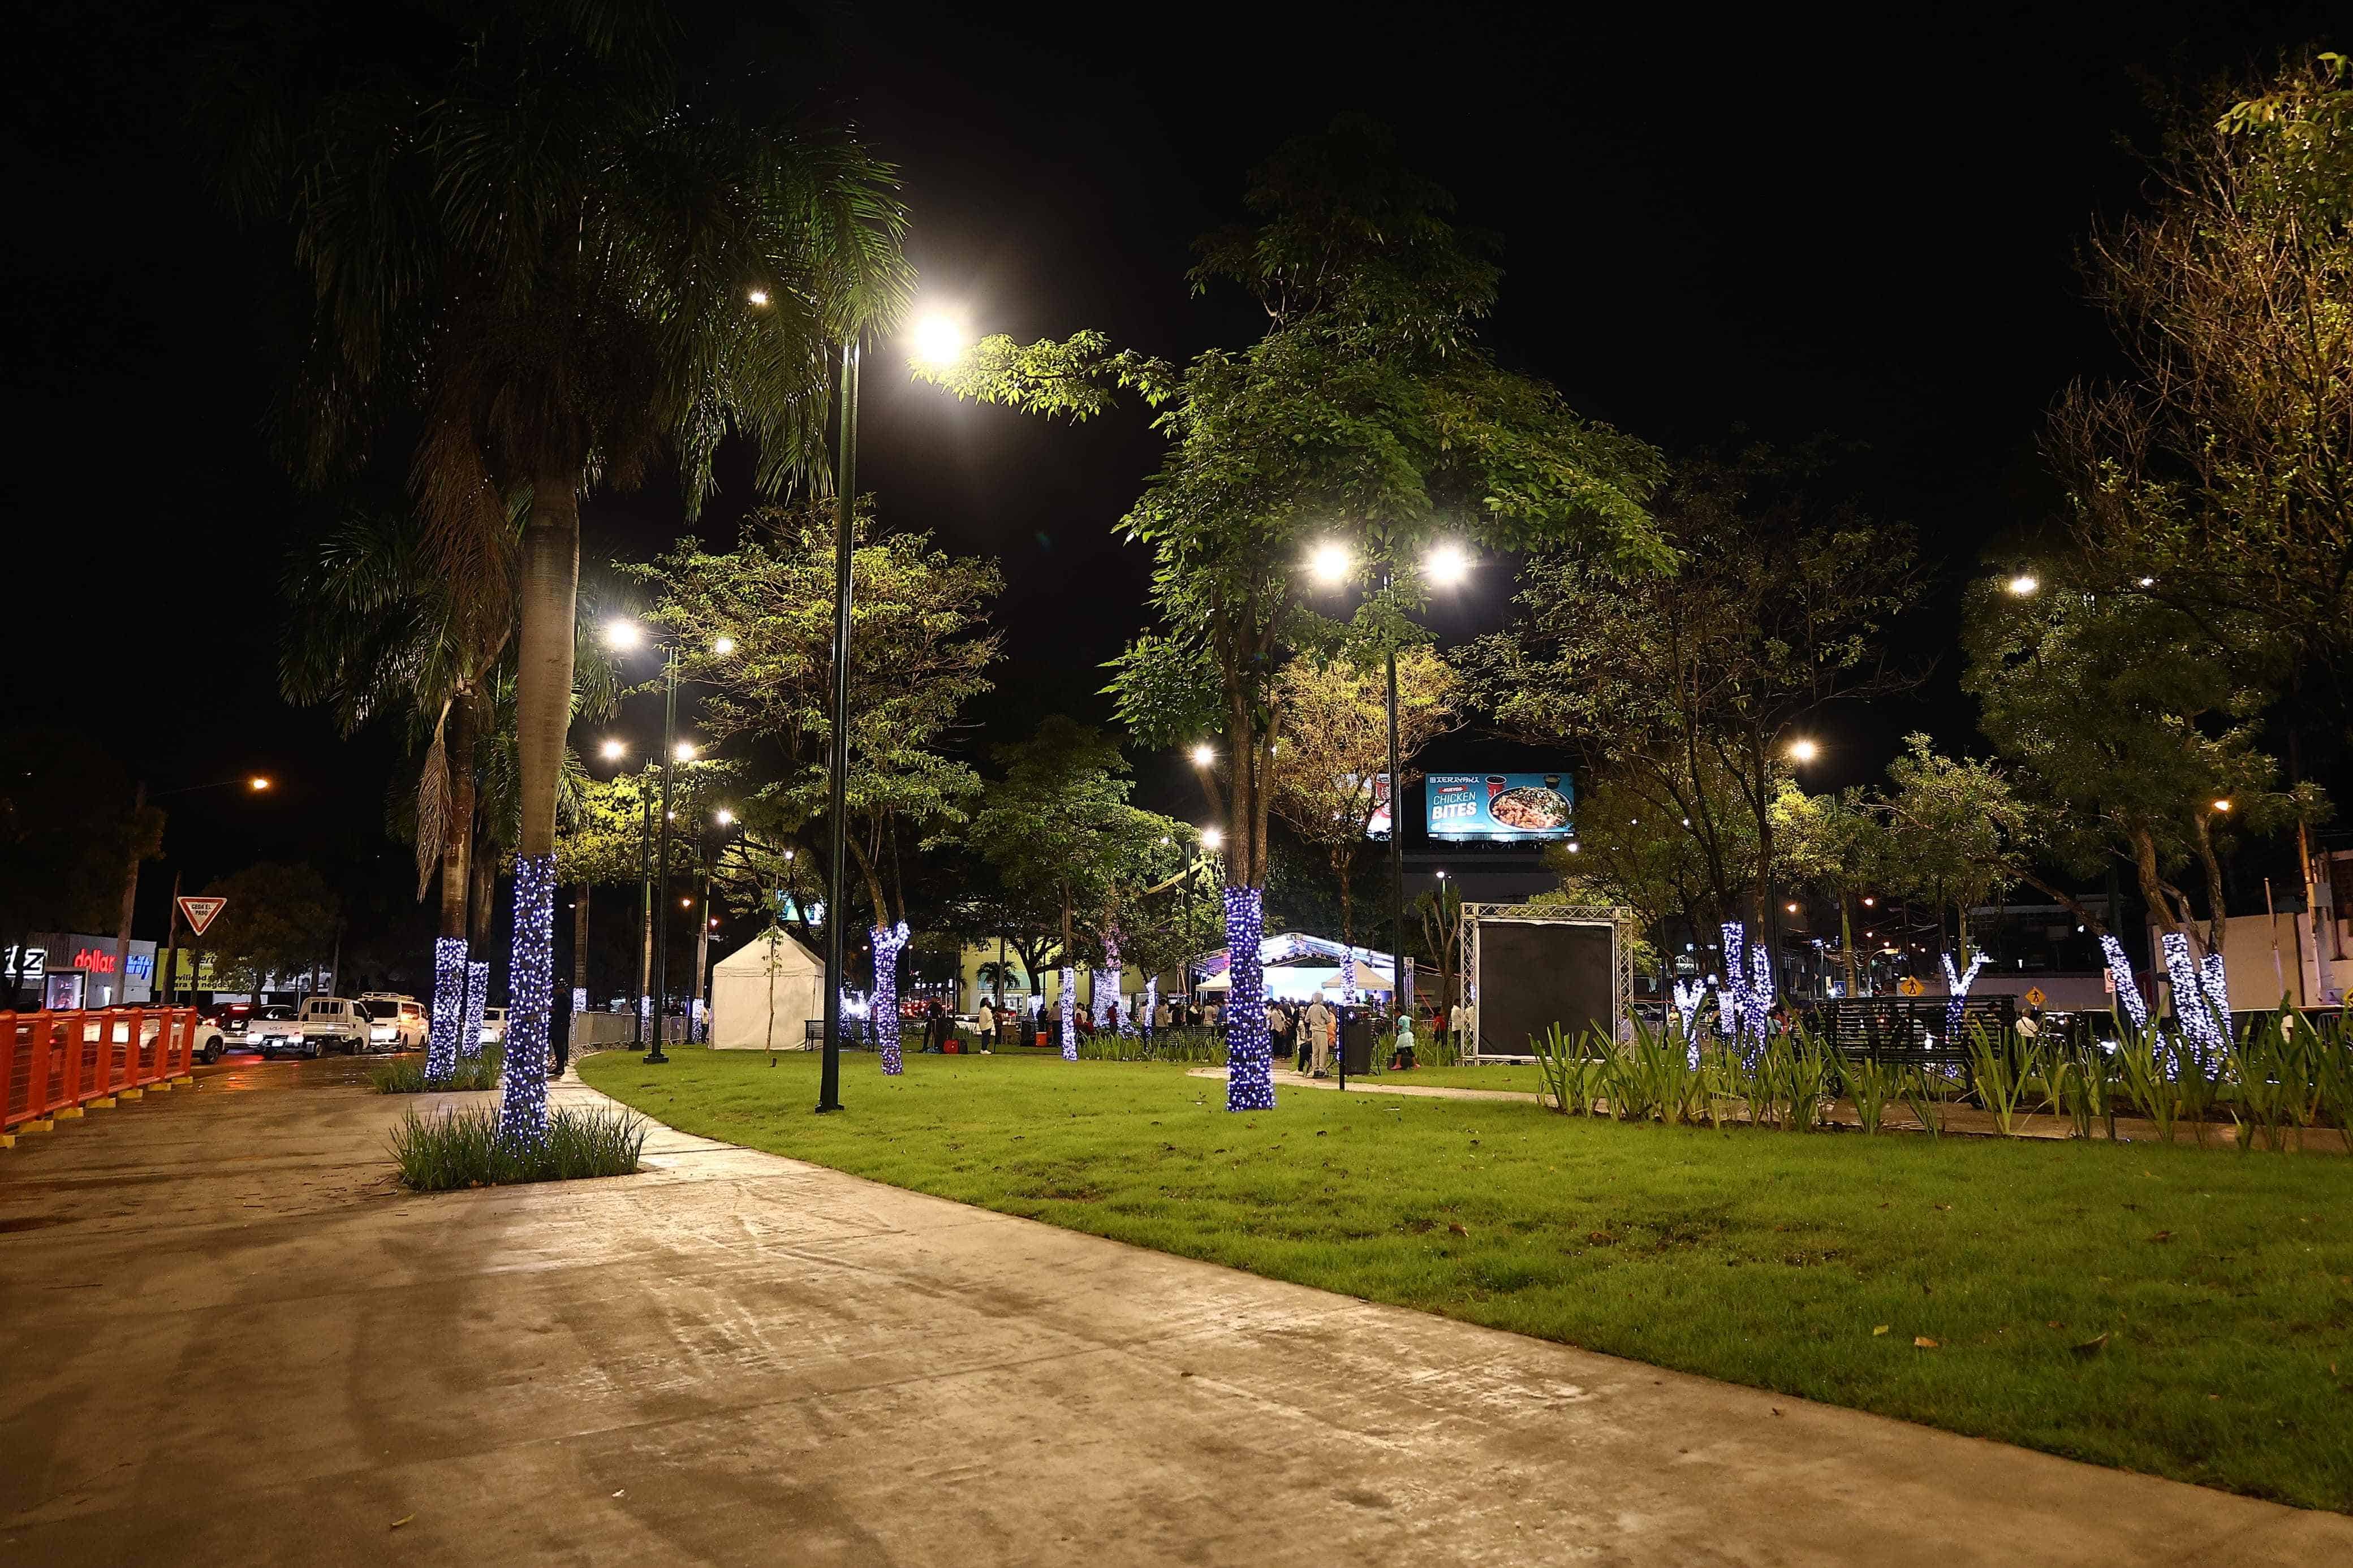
x=200 y=912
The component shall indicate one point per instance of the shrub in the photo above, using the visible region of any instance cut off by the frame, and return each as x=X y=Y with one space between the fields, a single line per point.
x=1160 y=1045
x=406 y=1075
x=462 y=1147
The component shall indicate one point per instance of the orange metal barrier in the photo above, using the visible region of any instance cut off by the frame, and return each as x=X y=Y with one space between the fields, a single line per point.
x=55 y=1064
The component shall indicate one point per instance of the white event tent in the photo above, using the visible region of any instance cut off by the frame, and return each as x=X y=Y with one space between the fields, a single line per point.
x=772 y=976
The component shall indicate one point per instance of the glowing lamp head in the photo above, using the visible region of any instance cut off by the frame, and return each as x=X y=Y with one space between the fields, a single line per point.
x=759 y=297
x=257 y=784
x=1575 y=848
x=1446 y=565
x=1212 y=838
x=1203 y=755
x=1791 y=907
x=686 y=751
x=940 y=341
x=1330 y=562
x=725 y=817
x=614 y=751
x=1804 y=750
x=2024 y=585
x=2222 y=805
x=623 y=636
x=686 y=904
x=723 y=646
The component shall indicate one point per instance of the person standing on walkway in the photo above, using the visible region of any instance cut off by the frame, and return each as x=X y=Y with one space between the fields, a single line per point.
x=1319 y=1035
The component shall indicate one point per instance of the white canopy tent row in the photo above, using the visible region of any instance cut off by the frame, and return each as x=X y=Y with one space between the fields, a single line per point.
x=763 y=995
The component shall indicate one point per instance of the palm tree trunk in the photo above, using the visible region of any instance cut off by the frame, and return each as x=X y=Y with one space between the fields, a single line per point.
x=548 y=591
x=580 y=944
x=452 y=951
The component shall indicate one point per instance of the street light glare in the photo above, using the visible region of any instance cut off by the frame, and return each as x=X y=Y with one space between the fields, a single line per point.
x=940 y=341
x=2024 y=583
x=686 y=751
x=1446 y=565
x=2222 y=806
x=759 y=297
x=1804 y=750
x=723 y=646
x=257 y=784
x=1330 y=562
x=1212 y=838
x=622 y=634
x=1203 y=756
x=725 y=817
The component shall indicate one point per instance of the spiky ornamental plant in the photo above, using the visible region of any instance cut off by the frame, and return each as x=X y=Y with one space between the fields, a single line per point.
x=534 y=243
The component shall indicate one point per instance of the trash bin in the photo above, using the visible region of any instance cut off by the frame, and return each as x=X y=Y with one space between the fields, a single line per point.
x=1356 y=1044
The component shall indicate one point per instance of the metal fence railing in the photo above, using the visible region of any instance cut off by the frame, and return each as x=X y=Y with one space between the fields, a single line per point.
x=1911 y=1029
x=54 y=1065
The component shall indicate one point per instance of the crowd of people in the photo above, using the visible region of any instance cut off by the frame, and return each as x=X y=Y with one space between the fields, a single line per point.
x=1307 y=1034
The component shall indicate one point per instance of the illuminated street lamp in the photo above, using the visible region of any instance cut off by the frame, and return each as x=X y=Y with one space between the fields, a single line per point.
x=614 y=751
x=1803 y=750
x=1203 y=755
x=938 y=339
x=625 y=635
x=2024 y=586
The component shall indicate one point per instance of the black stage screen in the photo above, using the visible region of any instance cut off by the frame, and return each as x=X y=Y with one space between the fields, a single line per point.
x=1534 y=974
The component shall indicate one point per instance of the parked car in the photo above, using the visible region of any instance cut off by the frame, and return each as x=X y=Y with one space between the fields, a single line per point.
x=494 y=1026
x=245 y=1024
x=211 y=1041
x=324 y=1024
x=397 y=1023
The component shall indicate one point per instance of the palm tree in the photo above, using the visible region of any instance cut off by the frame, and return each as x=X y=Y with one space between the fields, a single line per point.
x=543 y=250
x=374 y=630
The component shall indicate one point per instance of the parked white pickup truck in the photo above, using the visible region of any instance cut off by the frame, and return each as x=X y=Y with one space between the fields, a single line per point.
x=324 y=1024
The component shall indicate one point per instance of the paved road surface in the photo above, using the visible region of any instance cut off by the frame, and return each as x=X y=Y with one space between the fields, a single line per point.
x=229 y=1338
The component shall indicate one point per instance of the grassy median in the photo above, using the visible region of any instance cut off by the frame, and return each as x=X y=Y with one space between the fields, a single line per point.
x=2183 y=1311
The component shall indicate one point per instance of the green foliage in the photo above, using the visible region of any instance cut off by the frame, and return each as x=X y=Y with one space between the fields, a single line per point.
x=1207 y=1046
x=1681 y=691
x=921 y=646
x=405 y=1074
x=462 y=1147
x=1060 y=835
x=280 y=919
x=2119 y=716
x=1369 y=409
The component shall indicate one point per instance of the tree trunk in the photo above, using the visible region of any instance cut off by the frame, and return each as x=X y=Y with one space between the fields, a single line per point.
x=580 y=943
x=485 y=878
x=548 y=588
x=1347 y=925
x=458 y=830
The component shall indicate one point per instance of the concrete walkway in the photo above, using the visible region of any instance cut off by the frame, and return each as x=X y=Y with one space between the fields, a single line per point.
x=229 y=1338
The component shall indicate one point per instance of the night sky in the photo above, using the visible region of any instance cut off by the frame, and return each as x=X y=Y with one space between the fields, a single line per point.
x=1862 y=227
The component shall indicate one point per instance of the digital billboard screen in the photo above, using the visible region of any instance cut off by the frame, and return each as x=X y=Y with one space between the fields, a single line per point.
x=1500 y=808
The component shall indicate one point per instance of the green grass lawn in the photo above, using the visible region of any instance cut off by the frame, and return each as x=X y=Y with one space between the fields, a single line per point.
x=2223 y=1282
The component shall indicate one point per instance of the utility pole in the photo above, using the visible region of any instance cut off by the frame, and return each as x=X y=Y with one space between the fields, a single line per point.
x=662 y=868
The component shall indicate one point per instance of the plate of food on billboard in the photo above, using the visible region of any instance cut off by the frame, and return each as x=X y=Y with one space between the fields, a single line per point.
x=1501 y=807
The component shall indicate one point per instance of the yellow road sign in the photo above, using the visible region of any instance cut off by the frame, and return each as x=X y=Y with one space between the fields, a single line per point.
x=2034 y=995
x=1910 y=985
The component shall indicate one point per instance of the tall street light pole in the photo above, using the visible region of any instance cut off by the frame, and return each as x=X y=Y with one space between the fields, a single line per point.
x=670 y=753
x=939 y=340
x=845 y=504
